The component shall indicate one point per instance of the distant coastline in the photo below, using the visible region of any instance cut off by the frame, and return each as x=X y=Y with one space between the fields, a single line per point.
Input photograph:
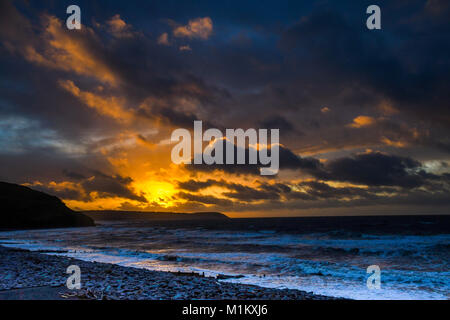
x=117 y=215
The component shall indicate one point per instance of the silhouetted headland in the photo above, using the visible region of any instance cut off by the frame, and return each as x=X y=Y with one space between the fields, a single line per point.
x=25 y=208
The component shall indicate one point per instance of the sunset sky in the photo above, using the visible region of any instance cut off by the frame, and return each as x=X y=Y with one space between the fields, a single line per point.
x=364 y=115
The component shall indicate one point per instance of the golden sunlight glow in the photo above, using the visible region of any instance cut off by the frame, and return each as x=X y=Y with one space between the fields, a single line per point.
x=158 y=192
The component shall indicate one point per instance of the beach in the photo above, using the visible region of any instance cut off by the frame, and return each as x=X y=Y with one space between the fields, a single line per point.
x=38 y=275
x=323 y=256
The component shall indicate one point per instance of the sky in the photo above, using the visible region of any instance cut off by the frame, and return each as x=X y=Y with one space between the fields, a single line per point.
x=364 y=115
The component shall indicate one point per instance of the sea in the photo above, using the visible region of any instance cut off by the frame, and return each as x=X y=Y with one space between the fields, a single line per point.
x=324 y=255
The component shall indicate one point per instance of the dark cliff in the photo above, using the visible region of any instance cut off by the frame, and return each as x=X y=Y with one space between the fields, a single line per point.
x=24 y=208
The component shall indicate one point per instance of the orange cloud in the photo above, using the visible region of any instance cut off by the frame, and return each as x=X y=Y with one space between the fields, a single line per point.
x=67 y=50
x=325 y=110
x=109 y=106
x=397 y=144
x=200 y=28
x=362 y=121
x=119 y=28
x=164 y=39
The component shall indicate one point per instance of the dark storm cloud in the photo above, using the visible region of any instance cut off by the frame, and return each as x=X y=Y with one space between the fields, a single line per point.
x=322 y=190
x=279 y=122
x=13 y=25
x=313 y=194
x=310 y=190
x=347 y=52
x=111 y=186
x=73 y=175
x=290 y=160
x=172 y=117
x=204 y=199
x=238 y=191
x=376 y=169
x=229 y=168
x=44 y=164
x=370 y=169
x=249 y=194
x=276 y=187
x=287 y=158
x=193 y=185
x=433 y=190
x=78 y=186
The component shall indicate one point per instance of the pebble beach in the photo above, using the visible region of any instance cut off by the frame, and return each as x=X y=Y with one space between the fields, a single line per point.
x=45 y=273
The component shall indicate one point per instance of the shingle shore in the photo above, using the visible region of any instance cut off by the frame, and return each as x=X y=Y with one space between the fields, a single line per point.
x=25 y=269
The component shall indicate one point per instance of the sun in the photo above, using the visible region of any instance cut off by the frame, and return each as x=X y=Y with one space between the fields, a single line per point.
x=160 y=192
